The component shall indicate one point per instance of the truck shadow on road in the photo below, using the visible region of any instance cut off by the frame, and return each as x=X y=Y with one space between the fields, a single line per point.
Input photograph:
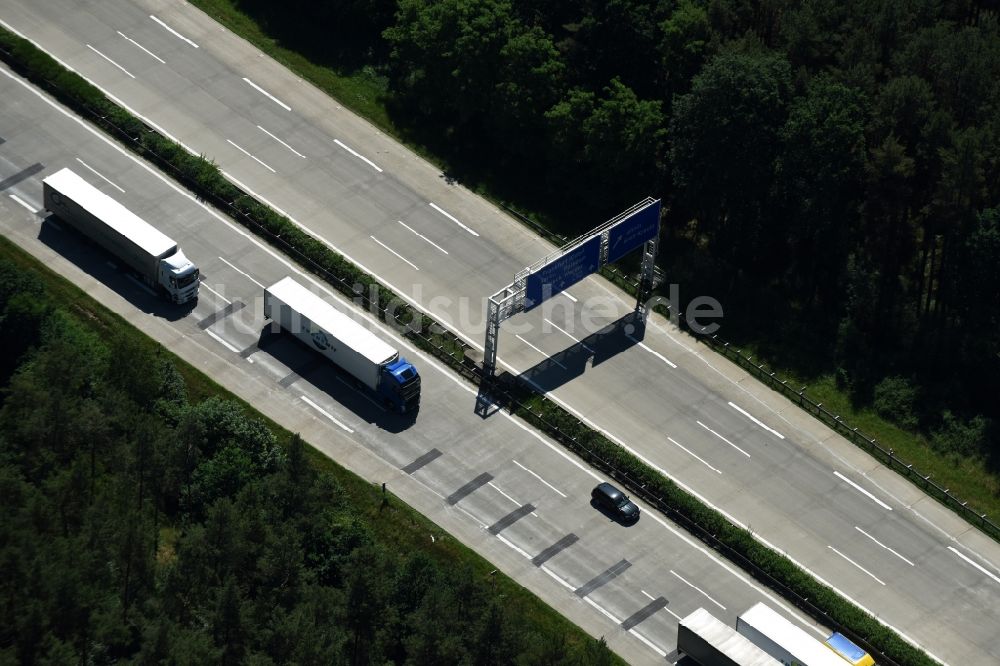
x=308 y=368
x=104 y=267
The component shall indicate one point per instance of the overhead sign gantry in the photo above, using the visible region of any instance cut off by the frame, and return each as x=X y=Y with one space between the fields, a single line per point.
x=637 y=226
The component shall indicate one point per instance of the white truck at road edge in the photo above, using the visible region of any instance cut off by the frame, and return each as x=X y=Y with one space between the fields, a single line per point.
x=344 y=341
x=780 y=638
x=157 y=259
x=710 y=642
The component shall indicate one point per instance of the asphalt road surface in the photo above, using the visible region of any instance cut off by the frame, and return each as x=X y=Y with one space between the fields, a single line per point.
x=513 y=495
x=737 y=445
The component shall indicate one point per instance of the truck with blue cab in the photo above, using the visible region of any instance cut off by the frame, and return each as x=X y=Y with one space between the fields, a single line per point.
x=349 y=345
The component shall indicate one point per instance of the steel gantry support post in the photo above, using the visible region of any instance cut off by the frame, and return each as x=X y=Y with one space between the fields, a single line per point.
x=646 y=275
x=492 y=333
x=495 y=314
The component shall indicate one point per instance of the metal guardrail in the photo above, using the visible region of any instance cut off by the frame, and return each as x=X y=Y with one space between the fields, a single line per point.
x=428 y=343
x=509 y=400
x=504 y=396
x=886 y=456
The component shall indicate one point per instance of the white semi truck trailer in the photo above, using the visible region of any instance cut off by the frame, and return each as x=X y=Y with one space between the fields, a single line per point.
x=711 y=642
x=783 y=640
x=351 y=346
x=155 y=257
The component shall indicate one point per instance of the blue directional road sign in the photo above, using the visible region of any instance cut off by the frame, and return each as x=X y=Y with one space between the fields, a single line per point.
x=633 y=231
x=560 y=273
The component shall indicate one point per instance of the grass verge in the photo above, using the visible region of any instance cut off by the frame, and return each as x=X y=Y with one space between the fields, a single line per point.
x=394 y=524
x=365 y=94
x=205 y=179
x=363 y=91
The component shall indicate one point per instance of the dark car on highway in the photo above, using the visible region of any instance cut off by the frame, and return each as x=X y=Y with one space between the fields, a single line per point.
x=615 y=502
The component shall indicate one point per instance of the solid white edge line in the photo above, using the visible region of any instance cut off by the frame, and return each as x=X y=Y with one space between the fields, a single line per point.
x=651 y=351
x=554 y=489
x=246 y=275
x=141 y=47
x=556 y=577
x=777 y=601
x=444 y=371
x=555 y=449
x=722 y=438
x=863 y=491
x=603 y=610
x=173 y=32
x=357 y=154
x=861 y=568
x=569 y=296
x=108 y=93
x=985 y=571
x=325 y=413
x=451 y=217
x=110 y=60
x=233 y=144
x=694 y=455
x=755 y=420
x=261 y=199
x=281 y=142
x=268 y=95
x=422 y=237
x=205 y=286
x=395 y=253
x=409 y=299
x=510 y=544
x=497 y=488
x=695 y=587
x=145 y=120
x=516 y=502
x=427 y=360
x=648 y=642
x=222 y=342
x=884 y=546
x=100 y=175
x=22 y=202
x=567 y=333
x=547 y=357
x=618 y=622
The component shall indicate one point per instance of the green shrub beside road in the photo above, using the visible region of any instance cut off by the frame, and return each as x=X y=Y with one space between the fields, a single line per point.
x=798 y=321
x=205 y=179
x=771 y=568
x=151 y=517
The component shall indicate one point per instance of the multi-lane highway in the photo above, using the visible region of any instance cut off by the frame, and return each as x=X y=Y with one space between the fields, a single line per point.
x=513 y=495
x=741 y=448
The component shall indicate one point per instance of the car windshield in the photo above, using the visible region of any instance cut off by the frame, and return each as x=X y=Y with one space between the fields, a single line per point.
x=620 y=500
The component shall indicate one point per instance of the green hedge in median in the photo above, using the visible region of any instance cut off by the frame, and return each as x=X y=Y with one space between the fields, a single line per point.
x=205 y=179
x=739 y=545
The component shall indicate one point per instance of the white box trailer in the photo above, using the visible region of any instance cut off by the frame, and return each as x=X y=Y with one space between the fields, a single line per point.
x=711 y=642
x=146 y=250
x=783 y=640
x=351 y=346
